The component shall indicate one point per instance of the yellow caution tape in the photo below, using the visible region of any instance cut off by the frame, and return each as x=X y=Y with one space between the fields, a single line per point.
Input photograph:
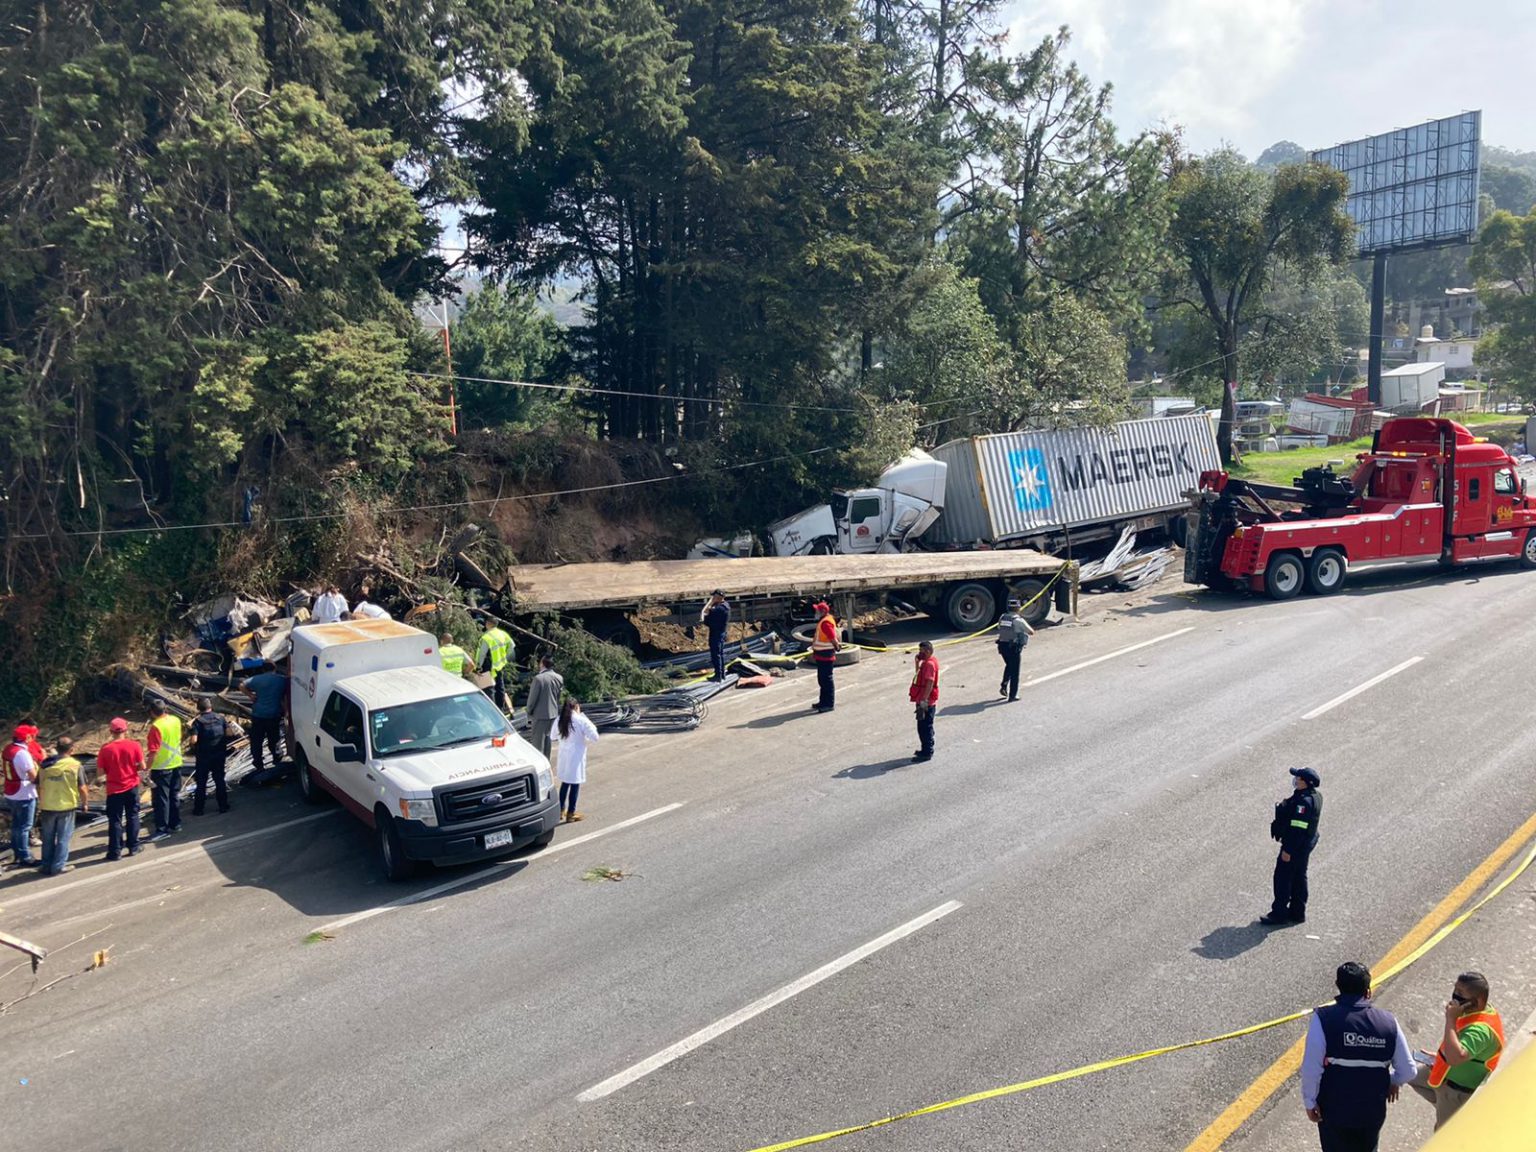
x=1119 y=1061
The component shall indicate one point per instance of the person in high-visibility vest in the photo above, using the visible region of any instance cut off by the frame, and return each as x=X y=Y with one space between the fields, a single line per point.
x=165 y=769
x=1469 y=1049
x=61 y=793
x=453 y=657
x=824 y=649
x=494 y=654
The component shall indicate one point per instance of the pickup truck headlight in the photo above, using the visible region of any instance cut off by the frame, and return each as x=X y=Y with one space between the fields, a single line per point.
x=422 y=810
x=546 y=782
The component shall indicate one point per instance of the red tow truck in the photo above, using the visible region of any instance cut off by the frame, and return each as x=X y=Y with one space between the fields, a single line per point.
x=1427 y=491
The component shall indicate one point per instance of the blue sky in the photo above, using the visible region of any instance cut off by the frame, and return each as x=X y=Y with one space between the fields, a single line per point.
x=1251 y=72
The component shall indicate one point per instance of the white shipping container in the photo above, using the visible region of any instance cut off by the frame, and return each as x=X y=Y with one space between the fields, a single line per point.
x=1020 y=484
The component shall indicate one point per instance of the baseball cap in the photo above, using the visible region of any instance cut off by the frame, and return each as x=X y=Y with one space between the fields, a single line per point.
x=1308 y=775
x=23 y=731
x=717 y=592
x=118 y=724
x=821 y=606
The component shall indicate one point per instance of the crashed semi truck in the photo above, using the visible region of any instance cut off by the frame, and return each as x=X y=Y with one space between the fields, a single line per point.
x=1054 y=491
x=1427 y=491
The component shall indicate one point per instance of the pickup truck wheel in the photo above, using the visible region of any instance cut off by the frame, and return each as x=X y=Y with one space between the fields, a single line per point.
x=1326 y=571
x=545 y=840
x=1528 y=552
x=397 y=866
x=970 y=606
x=309 y=787
x=1037 y=605
x=1284 y=576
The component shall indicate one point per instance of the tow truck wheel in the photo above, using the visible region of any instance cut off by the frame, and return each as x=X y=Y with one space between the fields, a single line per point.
x=1285 y=576
x=1528 y=553
x=397 y=866
x=1326 y=571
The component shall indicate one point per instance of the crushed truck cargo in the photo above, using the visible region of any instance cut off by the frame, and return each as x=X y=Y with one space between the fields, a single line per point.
x=417 y=754
x=1428 y=491
x=968 y=589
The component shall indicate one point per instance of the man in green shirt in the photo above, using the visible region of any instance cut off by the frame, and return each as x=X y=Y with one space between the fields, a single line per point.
x=1469 y=1049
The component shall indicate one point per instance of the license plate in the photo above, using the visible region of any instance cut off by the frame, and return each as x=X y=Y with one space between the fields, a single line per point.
x=498 y=839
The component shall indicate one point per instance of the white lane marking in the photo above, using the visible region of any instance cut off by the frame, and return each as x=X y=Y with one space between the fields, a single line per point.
x=1107 y=656
x=757 y=1007
x=481 y=874
x=1369 y=684
x=111 y=871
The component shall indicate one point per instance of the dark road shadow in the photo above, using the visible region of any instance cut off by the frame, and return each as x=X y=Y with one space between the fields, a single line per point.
x=872 y=771
x=808 y=714
x=972 y=708
x=1229 y=943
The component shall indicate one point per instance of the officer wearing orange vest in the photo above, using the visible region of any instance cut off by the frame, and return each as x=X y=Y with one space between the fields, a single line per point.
x=1469 y=1049
x=824 y=649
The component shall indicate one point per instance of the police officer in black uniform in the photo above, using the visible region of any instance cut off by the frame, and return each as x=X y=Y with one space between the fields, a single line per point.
x=1295 y=826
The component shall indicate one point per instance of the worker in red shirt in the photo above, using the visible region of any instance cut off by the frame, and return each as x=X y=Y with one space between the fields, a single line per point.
x=924 y=695
x=824 y=650
x=121 y=766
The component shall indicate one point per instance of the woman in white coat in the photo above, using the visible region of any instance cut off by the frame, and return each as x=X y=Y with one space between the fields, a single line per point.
x=576 y=733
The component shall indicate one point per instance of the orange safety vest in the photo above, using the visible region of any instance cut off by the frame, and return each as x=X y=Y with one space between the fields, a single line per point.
x=824 y=647
x=1486 y=1016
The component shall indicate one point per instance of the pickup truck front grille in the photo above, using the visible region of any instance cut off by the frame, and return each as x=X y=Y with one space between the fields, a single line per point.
x=485 y=799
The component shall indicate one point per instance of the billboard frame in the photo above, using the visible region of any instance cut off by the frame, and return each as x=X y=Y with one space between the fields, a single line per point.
x=1398 y=185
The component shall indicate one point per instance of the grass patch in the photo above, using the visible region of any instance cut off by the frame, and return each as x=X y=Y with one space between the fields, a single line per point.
x=602 y=873
x=1284 y=467
x=316 y=937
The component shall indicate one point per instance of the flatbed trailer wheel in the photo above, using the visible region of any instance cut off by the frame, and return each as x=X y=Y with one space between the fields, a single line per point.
x=1528 y=551
x=1326 y=571
x=1284 y=576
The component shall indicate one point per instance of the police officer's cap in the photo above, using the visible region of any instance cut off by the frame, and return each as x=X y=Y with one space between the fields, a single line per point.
x=717 y=592
x=1308 y=775
x=1014 y=602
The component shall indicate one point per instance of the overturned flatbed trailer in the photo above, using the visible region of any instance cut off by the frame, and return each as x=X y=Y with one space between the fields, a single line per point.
x=966 y=589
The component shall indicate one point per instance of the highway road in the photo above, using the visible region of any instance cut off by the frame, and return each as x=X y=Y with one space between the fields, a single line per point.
x=813 y=931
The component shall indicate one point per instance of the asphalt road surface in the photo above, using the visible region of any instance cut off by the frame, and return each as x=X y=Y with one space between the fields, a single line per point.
x=813 y=931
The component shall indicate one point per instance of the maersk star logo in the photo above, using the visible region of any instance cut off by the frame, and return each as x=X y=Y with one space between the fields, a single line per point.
x=1031 y=484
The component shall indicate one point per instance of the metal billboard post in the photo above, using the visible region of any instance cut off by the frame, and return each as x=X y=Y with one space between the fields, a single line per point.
x=1378 y=322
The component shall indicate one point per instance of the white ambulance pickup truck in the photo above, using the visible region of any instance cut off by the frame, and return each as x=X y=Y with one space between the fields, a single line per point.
x=414 y=752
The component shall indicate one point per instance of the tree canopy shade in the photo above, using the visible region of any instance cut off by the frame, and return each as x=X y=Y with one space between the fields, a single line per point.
x=1235 y=227
x=1504 y=262
x=211 y=230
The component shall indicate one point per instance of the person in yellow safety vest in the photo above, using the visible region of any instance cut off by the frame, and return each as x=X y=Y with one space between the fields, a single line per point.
x=494 y=655
x=61 y=792
x=452 y=655
x=824 y=649
x=165 y=769
x=1469 y=1049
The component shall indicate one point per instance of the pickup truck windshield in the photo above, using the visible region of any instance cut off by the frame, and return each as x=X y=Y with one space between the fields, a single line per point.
x=426 y=724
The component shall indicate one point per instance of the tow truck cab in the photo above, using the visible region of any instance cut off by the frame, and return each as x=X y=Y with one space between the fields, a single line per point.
x=1428 y=491
x=417 y=754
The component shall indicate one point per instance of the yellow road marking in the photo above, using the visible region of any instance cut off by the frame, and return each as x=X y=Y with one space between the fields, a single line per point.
x=1289 y=1063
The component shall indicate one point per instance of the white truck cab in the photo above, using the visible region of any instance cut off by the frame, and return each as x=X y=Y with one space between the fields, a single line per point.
x=418 y=754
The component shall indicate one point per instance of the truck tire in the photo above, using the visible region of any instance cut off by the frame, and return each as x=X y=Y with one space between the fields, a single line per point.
x=970 y=606
x=823 y=546
x=392 y=858
x=1032 y=590
x=309 y=787
x=1326 y=571
x=1285 y=576
x=545 y=840
x=1528 y=550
